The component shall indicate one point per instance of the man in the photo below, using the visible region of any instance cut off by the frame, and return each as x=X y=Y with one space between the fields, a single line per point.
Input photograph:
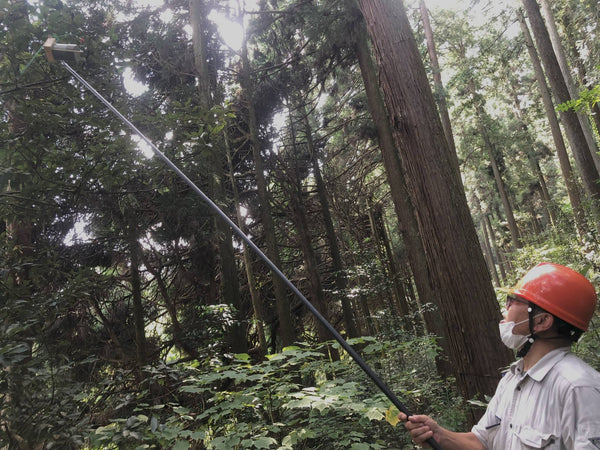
x=550 y=398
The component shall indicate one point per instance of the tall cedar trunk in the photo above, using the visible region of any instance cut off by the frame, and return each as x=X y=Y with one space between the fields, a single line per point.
x=317 y=296
x=499 y=256
x=139 y=321
x=230 y=288
x=561 y=149
x=489 y=256
x=341 y=281
x=403 y=206
x=439 y=92
x=579 y=147
x=364 y=319
x=487 y=246
x=286 y=330
x=566 y=71
x=578 y=62
x=530 y=151
x=199 y=28
x=457 y=267
x=379 y=239
x=257 y=305
x=490 y=148
x=311 y=264
x=171 y=306
x=396 y=277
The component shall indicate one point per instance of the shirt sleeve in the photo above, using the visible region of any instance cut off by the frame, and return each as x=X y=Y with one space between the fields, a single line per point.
x=581 y=421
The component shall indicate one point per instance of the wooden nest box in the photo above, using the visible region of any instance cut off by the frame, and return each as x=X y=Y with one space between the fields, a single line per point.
x=61 y=52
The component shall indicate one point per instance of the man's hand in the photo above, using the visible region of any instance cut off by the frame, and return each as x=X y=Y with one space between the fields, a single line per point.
x=421 y=428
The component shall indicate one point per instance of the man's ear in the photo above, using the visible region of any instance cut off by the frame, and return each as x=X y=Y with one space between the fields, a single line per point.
x=543 y=322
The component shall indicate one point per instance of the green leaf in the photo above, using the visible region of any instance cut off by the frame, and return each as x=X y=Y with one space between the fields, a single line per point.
x=290 y=348
x=264 y=442
x=242 y=357
x=374 y=414
x=360 y=446
x=181 y=445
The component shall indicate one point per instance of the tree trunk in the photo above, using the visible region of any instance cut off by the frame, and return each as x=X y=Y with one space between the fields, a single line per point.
x=490 y=148
x=489 y=256
x=257 y=305
x=561 y=149
x=566 y=71
x=581 y=71
x=439 y=92
x=487 y=246
x=198 y=22
x=575 y=135
x=379 y=239
x=171 y=307
x=229 y=282
x=488 y=224
x=317 y=295
x=530 y=149
x=286 y=329
x=403 y=206
x=457 y=267
x=311 y=264
x=139 y=321
x=341 y=281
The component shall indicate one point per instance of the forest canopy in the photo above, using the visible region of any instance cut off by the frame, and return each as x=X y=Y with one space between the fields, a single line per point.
x=400 y=170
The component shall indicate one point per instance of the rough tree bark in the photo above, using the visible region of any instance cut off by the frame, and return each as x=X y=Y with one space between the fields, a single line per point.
x=407 y=222
x=457 y=266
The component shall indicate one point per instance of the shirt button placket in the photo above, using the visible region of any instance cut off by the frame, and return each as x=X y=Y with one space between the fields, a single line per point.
x=514 y=405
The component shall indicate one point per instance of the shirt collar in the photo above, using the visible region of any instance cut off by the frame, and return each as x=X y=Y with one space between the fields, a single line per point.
x=543 y=366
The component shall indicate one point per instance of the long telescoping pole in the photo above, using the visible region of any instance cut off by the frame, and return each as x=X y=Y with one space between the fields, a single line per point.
x=338 y=337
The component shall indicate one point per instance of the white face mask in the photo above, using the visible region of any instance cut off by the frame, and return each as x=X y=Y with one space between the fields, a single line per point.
x=512 y=341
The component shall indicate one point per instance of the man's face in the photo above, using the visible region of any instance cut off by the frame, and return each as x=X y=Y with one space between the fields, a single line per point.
x=517 y=311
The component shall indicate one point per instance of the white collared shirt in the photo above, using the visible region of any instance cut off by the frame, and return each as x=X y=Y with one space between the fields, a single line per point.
x=555 y=405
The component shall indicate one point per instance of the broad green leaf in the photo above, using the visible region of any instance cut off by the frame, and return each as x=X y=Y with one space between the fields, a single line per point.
x=374 y=414
x=360 y=446
x=181 y=445
x=264 y=442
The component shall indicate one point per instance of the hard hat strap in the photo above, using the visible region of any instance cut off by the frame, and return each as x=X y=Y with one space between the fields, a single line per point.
x=532 y=337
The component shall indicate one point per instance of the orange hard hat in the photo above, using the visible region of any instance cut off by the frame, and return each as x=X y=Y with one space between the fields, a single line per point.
x=561 y=291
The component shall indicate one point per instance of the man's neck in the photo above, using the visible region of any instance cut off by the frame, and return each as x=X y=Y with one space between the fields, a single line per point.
x=540 y=348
